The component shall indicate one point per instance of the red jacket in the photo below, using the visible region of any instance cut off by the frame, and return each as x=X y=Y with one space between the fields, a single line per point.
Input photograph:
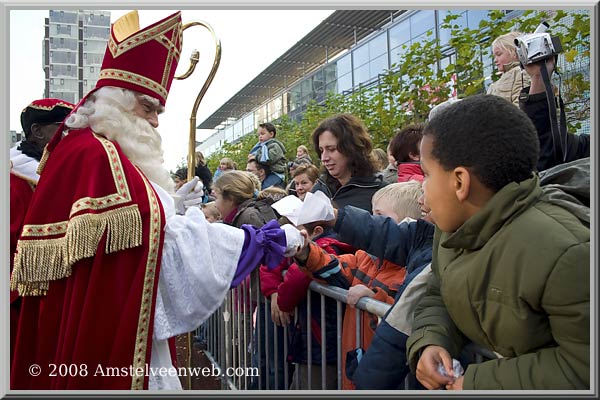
x=410 y=171
x=383 y=278
x=292 y=288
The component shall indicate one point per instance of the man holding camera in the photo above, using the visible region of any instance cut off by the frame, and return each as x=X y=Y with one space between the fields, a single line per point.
x=533 y=101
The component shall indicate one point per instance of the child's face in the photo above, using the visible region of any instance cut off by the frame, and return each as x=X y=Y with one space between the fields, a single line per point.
x=209 y=217
x=382 y=206
x=224 y=205
x=425 y=210
x=316 y=232
x=439 y=191
x=264 y=135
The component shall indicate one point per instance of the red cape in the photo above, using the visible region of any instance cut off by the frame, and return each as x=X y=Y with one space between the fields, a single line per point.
x=21 y=192
x=87 y=265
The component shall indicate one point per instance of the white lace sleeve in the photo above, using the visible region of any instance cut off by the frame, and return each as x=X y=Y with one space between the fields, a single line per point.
x=199 y=260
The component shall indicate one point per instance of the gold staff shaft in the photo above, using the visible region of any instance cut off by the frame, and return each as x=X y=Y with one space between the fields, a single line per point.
x=195 y=57
x=192 y=139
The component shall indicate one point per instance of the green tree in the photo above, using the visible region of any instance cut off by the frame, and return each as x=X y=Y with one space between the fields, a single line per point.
x=406 y=92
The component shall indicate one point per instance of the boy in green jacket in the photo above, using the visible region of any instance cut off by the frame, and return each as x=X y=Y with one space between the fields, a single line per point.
x=511 y=272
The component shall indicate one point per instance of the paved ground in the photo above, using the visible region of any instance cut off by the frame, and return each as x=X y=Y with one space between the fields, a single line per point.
x=199 y=360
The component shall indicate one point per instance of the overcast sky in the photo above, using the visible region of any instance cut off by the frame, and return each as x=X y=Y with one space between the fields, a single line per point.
x=251 y=40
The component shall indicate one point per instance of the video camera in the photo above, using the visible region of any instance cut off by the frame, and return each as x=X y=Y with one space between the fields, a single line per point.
x=537 y=46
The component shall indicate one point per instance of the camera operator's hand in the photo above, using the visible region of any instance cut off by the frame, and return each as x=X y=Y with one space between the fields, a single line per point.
x=534 y=72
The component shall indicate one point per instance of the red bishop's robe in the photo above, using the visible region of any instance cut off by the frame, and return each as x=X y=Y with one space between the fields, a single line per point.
x=87 y=265
x=21 y=192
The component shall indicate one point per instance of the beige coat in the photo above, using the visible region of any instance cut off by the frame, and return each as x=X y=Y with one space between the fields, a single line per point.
x=510 y=83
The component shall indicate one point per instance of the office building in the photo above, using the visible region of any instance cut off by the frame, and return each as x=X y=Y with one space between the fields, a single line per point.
x=347 y=50
x=74 y=46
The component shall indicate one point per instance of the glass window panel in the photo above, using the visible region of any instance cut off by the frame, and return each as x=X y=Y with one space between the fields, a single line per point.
x=294 y=97
x=330 y=72
x=331 y=87
x=63 y=17
x=306 y=87
x=344 y=65
x=360 y=55
x=274 y=108
x=93 y=58
x=248 y=123
x=260 y=116
x=96 y=32
x=229 y=134
x=361 y=74
x=70 y=97
x=461 y=22
x=397 y=55
x=318 y=82
x=237 y=129
x=63 y=43
x=423 y=38
x=344 y=83
x=64 y=57
x=378 y=45
x=421 y=22
x=475 y=16
x=399 y=33
x=446 y=61
x=378 y=65
x=95 y=45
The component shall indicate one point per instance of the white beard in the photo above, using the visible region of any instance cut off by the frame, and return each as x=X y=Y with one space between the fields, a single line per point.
x=111 y=117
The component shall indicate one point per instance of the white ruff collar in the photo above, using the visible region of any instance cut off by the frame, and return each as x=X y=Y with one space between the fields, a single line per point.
x=23 y=166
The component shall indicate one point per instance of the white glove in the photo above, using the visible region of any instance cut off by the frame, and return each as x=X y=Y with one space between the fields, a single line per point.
x=188 y=195
x=294 y=240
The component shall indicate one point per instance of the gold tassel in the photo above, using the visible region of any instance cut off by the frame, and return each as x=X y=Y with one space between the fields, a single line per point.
x=37 y=262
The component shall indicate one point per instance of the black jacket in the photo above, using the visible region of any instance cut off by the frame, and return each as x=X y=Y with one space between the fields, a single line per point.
x=202 y=172
x=357 y=192
x=536 y=107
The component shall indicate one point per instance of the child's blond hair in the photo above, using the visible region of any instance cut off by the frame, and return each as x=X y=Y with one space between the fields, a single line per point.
x=272 y=192
x=210 y=210
x=403 y=198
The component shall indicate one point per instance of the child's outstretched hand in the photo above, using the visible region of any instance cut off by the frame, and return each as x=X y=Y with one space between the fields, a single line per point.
x=356 y=292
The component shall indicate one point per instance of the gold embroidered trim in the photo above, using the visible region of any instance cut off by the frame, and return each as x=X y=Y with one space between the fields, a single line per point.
x=57 y=228
x=116 y=167
x=141 y=339
x=37 y=262
x=43 y=160
x=48 y=108
x=142 y=36
x=134 y=78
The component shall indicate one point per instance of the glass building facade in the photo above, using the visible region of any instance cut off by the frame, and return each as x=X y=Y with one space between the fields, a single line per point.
x=74 y=46
x=361 y=65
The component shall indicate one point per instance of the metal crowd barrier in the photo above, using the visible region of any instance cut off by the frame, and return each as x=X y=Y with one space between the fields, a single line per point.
x=230 y=338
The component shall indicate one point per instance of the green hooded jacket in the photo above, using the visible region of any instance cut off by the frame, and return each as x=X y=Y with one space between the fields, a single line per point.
x=514 y=279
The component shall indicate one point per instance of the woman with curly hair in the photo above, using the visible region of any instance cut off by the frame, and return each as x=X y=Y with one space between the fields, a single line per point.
x=349 y=174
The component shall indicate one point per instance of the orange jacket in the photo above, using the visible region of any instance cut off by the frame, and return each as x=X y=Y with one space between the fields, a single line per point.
x=384 y=278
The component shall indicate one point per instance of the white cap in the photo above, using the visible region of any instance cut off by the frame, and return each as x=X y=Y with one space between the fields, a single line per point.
x=315 y=207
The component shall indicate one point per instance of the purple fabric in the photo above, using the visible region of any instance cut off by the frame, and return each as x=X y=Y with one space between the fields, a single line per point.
x=264 y=246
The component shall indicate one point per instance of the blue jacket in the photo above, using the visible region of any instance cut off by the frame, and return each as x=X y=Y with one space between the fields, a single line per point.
x=384 y=365
x=406 y=243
